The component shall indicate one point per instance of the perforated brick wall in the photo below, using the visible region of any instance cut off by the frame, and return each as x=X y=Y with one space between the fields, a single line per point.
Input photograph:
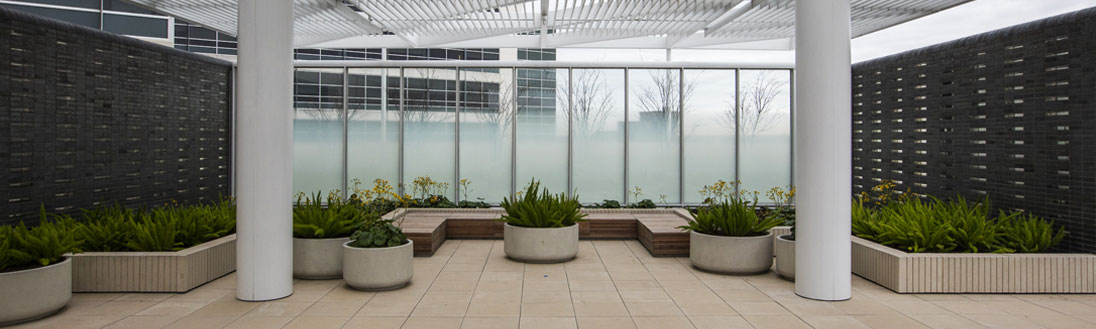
x=1008 y=114
x=89 y=117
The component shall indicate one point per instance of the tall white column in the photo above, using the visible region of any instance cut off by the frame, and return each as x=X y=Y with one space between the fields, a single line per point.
x=264 y=150
x=823 y=150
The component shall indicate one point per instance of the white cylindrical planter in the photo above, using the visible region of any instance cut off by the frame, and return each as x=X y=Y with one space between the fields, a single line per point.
x=35 y=293
x=823 y=149
x=264 y=150
x=318 y=259
x=731 y=254
x=784 y=250
x=378 y=268
x=540 y=245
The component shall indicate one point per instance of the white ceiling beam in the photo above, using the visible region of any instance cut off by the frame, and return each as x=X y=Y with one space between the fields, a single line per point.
x=730 y=15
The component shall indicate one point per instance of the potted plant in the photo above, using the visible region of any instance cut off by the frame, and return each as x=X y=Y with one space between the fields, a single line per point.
x=729 y=237
x=541 y=227
x=784 y=245
x=35 y=275
x=319 y=233
x=378 y=256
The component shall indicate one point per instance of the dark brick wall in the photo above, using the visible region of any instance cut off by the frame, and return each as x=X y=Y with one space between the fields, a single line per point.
x=89 y=117
x=1007 y=114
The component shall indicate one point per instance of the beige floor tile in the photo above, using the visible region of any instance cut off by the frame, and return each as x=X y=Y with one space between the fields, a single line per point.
x=889 y=321
x=637 y=285
x=144 y=322
x=654 y=309
x=916 y=307
x=173 y=308
x=440 y=309
x=502 y=276
x=203 y=294
x=1059 y=321
x=489 y=323
x=374 y=308
x=454 y=285
x=758 y=308
x=578 y=285
x=431 y=323
x=862 y=306
x=662 y=322
x=144 y=297
x=941 y=297
x=611 y=322
x=317 y=322
x=340 y=308
x=833 y=322
x=570 y=266
x=588 y=276
x=1018 y=307
x=599 y=309
x=553 y=285
x=806 y=307
x=375 y=322
x=554 y=309
x=705 y=309
x=259 y=322
x=1002 y=321
x=534 y=322
x=967 y=307
x=720 y=322
x=280 y=308
x=199 y=321
x=946 y=321
x=493 y=309
x=644 y=296
x=462 y=267
x=545 y=296
x=115 y=308
x=631 y=276
x=345 y=293
x=1067 y=306
x=595 y=297
x=740 y=295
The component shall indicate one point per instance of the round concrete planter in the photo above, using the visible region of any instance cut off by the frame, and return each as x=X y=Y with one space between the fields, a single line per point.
x=378 y=268
x=784 y=250
x=731 y=254
x=318 y=259
x=540 y=245
x=35 y=293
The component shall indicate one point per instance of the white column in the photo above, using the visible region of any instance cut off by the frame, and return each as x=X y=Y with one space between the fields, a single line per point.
x=264 y=150
x=823 y=150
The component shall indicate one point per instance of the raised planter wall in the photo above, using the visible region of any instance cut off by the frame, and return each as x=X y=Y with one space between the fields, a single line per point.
x=178 y=271
x=973 y=273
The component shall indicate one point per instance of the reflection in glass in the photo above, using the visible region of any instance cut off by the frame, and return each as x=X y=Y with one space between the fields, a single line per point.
x=765 y=130
x=373 y=126
x=598 y=109
x=486 y=119
x=317 y=130
x=654 y=138
x=709 y=130
x=542 y=128
x=429 y=127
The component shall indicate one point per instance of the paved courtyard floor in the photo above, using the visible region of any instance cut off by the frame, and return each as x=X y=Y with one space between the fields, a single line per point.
x=612 y=284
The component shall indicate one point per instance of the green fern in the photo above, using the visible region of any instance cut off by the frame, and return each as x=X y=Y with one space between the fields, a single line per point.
x=1026 y=233
x=156 y=231
x=42 y=245
x=311 y=220
x=541 y=209
x=106 y=228
x=733 y=217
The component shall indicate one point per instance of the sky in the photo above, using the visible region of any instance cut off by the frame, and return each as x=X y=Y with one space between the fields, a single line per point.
x=961 y=21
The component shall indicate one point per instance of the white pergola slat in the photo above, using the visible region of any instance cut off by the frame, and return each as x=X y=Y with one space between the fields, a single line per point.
x=658 y=24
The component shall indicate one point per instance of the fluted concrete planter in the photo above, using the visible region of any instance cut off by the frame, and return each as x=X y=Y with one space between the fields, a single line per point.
x=378 y=268
x=154 y=271
x=318 y=259
x=31 y=294
x=784 y=250
x=540 y=245
x=731 y=254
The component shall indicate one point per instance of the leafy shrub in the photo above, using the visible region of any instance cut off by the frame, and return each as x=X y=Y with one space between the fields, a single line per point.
x=733 y=217
x=607 y=204
x=106 y=228
x=22 y=247
x=541 y=209
x=476 y=204
x=156 y=231
x=645 y=204
x=312 y=220
x=377 y=233
x=938 y=226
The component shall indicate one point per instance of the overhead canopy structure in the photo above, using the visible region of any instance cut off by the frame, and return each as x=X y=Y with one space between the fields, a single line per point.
x=651 y=24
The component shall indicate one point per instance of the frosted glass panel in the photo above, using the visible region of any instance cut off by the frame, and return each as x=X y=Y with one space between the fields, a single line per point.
x=598 y=105
x=654 y=139
x=429 y=127
x=542 y=128
x=709 y=130
x=317 y=130
x=486 y=122
x=766 y=130
x=373 y=126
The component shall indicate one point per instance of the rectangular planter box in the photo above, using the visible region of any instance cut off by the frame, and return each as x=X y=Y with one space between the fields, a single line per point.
x=973 y=273
x=178 y=271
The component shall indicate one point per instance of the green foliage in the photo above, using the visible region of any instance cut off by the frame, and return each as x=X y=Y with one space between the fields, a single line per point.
x=312 y=220
x=377 y=233
x=476 y=204
x=1025 y=233
x=155 y=231
x=42 y=245
x=106 y=228
x=733 y=217
x=645 y=204
x=541 y=209
x=938 y=226
x=607 y=204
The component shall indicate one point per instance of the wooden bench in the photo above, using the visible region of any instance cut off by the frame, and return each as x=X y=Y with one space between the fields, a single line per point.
x=656 y=229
